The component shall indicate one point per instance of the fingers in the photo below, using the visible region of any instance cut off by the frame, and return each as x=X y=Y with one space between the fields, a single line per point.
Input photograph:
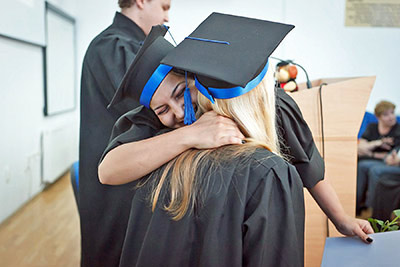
x=226 y=127
x=211 y=117
x=364 y=237
x=386 y=146
x=213 y=130
x=362 y=229
x=230 y=140
x=365 y=226
x=229 y=136
x=389 y=140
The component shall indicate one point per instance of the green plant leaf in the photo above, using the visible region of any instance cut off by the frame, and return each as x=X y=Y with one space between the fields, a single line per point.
x=397 y=212
x=386 y=226
x=373 y=223
x=381 y=223
x=393 y=228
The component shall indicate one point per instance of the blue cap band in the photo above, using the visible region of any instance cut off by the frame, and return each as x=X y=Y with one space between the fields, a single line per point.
x=226 y=93
x=152 y=84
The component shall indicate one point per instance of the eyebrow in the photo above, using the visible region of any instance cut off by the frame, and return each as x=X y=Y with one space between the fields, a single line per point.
x=172 y=94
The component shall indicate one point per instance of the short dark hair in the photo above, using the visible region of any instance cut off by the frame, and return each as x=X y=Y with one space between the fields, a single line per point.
x=125 y=3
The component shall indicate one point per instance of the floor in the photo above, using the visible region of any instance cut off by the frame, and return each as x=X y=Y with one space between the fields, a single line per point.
x=44 y=232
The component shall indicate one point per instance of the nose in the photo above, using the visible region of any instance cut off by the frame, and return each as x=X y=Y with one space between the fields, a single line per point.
x=179 y=112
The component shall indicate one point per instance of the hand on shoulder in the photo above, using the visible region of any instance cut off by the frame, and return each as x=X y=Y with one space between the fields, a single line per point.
x=212 y=130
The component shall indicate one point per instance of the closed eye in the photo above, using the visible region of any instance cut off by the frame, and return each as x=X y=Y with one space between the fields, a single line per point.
x=181 y=92
x=162 y=110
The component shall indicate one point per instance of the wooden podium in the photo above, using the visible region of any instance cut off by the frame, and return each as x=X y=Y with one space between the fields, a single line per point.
x=343 y=107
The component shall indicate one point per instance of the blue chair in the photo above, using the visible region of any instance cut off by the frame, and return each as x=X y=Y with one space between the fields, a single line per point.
x=368 y=118
x=74 y=170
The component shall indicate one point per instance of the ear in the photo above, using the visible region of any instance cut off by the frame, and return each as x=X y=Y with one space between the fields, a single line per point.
x=140 y=3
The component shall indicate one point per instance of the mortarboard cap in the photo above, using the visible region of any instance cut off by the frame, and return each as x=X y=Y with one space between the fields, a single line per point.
x=145 y=74
x=228 y=54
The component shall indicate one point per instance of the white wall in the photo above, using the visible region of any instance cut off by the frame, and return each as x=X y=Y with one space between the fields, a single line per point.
x=21 y=103
x=23 y=120
x=186 y=15
x=326 y=48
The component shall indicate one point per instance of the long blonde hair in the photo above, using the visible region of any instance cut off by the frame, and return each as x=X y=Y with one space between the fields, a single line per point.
x=185 y=177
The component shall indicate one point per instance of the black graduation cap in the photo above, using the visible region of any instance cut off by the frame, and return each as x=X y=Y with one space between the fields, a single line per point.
x=145 y=74
x=228 y=54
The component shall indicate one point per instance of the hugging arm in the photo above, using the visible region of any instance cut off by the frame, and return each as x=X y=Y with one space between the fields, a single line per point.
x=139 y=154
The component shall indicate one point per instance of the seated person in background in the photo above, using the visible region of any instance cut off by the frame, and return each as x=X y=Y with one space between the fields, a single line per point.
x=387 y=191
x=374 y=145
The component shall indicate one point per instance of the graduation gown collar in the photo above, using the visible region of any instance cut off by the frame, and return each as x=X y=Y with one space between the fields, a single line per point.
x=127 y=25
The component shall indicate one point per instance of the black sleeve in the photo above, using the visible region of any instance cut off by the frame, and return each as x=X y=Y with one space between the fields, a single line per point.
x=273 y=228
x=396 y=135
x=369 y=132
x=138 y=124
x=297 y=140
x=111 y=57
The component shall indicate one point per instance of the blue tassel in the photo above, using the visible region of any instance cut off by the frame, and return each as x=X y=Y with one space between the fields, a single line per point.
x=190 y=117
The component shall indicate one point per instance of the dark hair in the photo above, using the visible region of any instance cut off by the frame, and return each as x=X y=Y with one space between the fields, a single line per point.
x=125 y=3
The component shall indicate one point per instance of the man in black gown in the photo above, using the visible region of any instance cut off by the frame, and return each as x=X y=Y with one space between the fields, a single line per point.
x=104 y=210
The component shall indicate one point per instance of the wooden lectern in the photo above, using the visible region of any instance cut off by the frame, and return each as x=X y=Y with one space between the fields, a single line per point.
x=343 y=107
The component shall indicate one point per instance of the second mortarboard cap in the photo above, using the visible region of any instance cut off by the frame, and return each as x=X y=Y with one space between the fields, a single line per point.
x=228 y=54
x=145 y=74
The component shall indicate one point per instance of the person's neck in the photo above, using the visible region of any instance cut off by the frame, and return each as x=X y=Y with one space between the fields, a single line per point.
x=383 y=129
x=133 y=14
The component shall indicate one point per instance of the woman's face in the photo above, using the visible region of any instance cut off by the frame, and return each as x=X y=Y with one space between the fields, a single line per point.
x=168 y=101
x=387 y=118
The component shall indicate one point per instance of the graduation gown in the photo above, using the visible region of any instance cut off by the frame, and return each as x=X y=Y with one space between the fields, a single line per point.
x=296 y=138
x=297 y=141
x=252 y=215
x=104 y=210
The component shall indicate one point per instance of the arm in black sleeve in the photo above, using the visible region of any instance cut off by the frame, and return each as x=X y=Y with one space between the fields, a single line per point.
x=298 y=141
x=138 y=124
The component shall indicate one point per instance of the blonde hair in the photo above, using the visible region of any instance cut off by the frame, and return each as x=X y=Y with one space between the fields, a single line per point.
x=254 y=112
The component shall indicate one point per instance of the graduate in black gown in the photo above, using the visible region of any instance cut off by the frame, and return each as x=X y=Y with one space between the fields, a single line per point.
x=233 y=206
x=129 y=157
x=104 y=210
